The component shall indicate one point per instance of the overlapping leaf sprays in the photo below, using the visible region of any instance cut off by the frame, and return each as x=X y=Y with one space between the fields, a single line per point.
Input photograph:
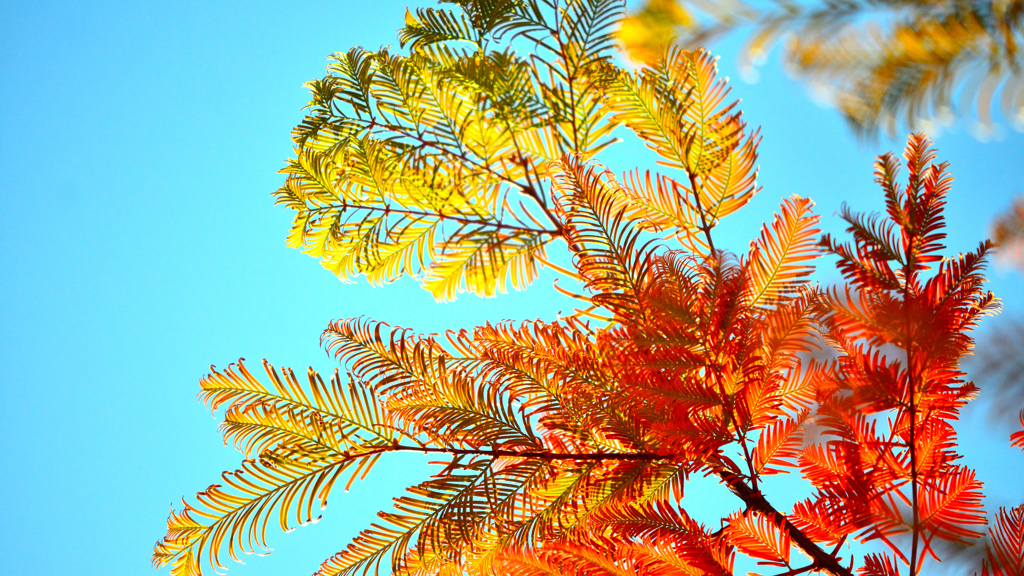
x=566 y=446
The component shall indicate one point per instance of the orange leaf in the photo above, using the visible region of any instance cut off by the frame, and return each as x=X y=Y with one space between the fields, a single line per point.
x=759 y=536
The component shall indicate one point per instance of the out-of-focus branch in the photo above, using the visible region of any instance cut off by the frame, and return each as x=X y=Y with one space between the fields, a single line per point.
x=998 y=367
x=1008 y=233
x=919 y=64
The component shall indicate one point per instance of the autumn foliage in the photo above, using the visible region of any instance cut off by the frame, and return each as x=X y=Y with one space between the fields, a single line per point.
x=565 y=447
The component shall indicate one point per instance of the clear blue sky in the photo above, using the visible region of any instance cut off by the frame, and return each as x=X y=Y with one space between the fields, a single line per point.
x=139 y=143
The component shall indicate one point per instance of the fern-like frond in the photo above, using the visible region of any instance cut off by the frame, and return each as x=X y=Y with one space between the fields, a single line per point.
x=879 y=565
x=663 y=205
x=730 y=184
x=484 y=262
x=543 y=367
x=406 y=165
x=661 y=527
x=589 y=27
x=465 y=410
x=953 y=505
x=759 y=536
x=584 y=41
x=435 y=502
x=430 y=26
x=349 y=412
x=779 y=445
x=823 y=519
x=779 y=259
x=286 y=482
x=430 y=393
x=677 y=107
x=559 y=559
x=713 y=130
x=387 y=359
x=606 y=249
x=254 y=428
x=1005 y=550
x=644 y=103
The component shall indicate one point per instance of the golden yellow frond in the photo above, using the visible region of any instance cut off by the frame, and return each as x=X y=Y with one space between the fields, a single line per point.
x=286 y=482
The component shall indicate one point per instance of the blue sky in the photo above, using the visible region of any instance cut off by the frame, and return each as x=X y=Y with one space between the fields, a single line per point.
x=139 y=143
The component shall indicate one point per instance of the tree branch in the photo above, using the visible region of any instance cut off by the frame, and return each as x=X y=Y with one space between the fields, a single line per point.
x=694 y=186
x=821 y=560
x=538 y=454
x=439 y=215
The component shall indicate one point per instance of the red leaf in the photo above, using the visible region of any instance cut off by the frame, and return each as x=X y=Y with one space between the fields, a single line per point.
x=1006 y=545
x=1017 y=438
x=879 y=565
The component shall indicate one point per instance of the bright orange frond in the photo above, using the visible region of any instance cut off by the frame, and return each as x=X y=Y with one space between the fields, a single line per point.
x=759 y=536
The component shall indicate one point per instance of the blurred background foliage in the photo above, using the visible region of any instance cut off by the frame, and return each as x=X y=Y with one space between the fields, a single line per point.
x=886 y=65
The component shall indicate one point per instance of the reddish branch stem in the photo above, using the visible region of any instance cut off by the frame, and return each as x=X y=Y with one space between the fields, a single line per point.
x=796 y=571
x=694 y=185
x=912 y=443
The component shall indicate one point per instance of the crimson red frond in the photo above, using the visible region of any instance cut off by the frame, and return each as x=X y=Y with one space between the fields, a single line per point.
x=936 y=444
x=877 y=382
x=849 y=427
x=650 y=520
x=549 y=369
x=849 y=476
x=788 y=327
x=879 y=565
x=1017 y=438
x=1005 y=550
x=887 y=169
x=663 y=527
x=824 y=519
x=562 y=558
x=860 y=270
x=806 y=383
x=926 y=196
x=918 y=208
x=951 y=504
x=959 y=278
x=876 y=238
x=659 y=559
x=823 y=466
